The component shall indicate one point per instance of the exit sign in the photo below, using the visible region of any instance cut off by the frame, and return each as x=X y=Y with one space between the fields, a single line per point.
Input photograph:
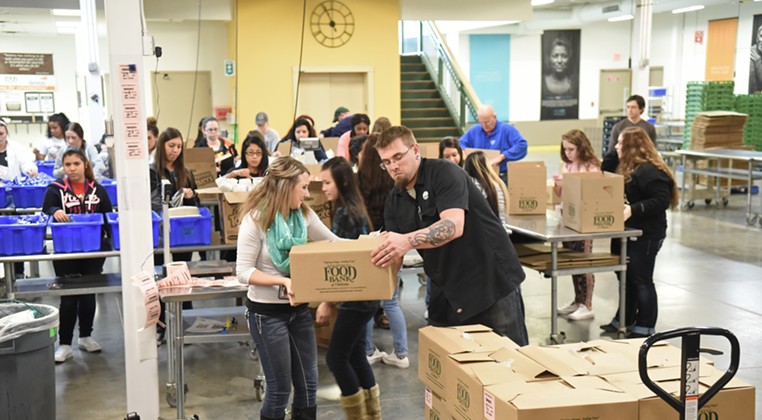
x=229 y=68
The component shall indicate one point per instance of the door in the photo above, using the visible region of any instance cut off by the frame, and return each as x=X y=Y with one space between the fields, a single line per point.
x=614 y=90
x=321 y=93
x=173 y=100
x=656 y=76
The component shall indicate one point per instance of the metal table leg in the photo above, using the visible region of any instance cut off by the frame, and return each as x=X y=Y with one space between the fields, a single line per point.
x=177 y=337
x=623 y=289
x=682 y=187
x=10 y=276
x=751 y=218
x=553 y=292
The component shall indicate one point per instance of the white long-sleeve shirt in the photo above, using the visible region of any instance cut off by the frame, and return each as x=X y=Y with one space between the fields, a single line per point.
x=20 y=162
x=253 y=254
x=99 y=167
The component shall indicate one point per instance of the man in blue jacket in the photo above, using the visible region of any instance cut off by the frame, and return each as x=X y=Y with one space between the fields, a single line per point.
x=495 y=135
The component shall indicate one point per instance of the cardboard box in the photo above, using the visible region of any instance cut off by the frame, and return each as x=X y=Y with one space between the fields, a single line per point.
x=587 y=360
x=323 y=332
x=200 y=161
x=593 y=202
x=526 y=188
x=551 y=198
x=735 y=401
x=436 y=344
x=435 y=407
x=330 y=143
x=340 y=271
x=318 y=203
x=284 y=148
x=579 y=398
x=429 y=150
x=231 y=219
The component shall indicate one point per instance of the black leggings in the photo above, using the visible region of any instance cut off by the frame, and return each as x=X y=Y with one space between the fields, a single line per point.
x=641 y=304
x=346 y=356
x=80 y=307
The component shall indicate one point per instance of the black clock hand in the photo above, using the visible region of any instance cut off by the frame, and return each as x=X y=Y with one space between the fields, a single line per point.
x=333 y=24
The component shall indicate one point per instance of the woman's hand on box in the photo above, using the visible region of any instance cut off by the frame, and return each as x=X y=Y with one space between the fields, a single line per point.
x=323 y=313
x=60 y=216
x=627 y=212
x=287 y=284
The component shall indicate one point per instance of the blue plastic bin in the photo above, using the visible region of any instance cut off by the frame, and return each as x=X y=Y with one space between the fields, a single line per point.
x=110 y=186
x=191 y=230
x=29 y=196
x=22 y=238
x=113 y=221
x=82 y=234
x=3 y=196
x=46 y=166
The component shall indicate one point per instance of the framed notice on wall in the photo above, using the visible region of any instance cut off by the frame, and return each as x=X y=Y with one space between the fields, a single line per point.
x=27 y=72
x=32 y=101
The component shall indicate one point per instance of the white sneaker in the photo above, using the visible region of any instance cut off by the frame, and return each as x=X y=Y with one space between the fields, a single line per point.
x=397 y=361
x=581 y=313
x=89 y=345
x=426 y=315
x=64 y=352
x=566 y=310
x=376 y=356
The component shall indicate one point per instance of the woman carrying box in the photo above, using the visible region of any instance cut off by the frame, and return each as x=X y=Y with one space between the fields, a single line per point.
x=346 y=351
x=649 y=189
x=77 y=193
x=274 y=218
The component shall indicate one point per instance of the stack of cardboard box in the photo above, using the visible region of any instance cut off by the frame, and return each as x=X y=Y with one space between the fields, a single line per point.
x=717 y=129
x=471 y=373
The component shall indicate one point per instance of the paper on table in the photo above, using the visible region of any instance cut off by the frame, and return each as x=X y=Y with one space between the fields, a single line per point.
x=206 y=325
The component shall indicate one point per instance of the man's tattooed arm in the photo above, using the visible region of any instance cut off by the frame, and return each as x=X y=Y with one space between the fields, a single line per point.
x=438 y=234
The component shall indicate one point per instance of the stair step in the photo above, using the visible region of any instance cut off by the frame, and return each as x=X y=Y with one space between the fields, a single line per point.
x=417 y=84
x=425 y=112
x=420 y=94
x=415 y=75
x=427 y=132
x=422 y=103
x=442 y=122
x=408 y=67
x=410 y=59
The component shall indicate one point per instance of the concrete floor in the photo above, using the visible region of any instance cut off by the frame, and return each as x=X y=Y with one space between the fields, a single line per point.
x=708 y=273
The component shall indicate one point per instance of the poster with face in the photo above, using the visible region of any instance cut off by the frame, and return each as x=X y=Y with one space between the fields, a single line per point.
x=755 y=59
x=560 y=75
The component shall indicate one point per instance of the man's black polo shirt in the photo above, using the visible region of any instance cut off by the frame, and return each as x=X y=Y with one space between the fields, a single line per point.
x=472 y=272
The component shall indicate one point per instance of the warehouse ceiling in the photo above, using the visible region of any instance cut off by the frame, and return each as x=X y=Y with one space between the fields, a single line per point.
x=33 y=17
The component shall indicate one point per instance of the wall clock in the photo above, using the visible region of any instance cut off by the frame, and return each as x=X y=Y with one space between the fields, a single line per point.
x=332 y=24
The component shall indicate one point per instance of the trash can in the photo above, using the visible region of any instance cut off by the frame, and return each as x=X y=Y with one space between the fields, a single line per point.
x=27 y=367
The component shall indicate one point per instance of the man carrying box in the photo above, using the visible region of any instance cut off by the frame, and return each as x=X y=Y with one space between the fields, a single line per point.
x=435 y=208
x=495 y=135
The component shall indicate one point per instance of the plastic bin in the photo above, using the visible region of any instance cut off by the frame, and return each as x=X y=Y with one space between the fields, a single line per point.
x=22 y=238
x=191 y=230
x=29 y=192
x=110 y=186
x=46 y=167
x=3 y=196
x=27 y=368
x=82 y=234
x=113 y=220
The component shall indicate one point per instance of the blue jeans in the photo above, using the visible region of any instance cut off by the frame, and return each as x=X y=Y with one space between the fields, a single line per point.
x=396 y=323
x=288 y=352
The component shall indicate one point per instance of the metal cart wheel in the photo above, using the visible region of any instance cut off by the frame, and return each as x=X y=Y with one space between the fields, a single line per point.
x=725 y=202
x=259 y=389
x=687 y=205
x=752 y=219
x=708 y=201
x=171 y=395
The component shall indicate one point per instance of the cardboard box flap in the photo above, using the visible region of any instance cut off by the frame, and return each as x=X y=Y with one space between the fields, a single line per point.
x=494 y=373
x=509 y=391
x=553 y=364
x=366 y=243
x=591 y=382
x=570 y=398
x=236 y=197
x=526 y=164
x=210 y=190
x=522 y=365
x=471 y=357
x=471 y=328
x=200 y=161
x=449 y=339
x=662 y=354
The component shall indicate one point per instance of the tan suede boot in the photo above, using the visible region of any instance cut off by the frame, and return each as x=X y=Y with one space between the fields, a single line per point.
x=373 y=402
x=354 y=406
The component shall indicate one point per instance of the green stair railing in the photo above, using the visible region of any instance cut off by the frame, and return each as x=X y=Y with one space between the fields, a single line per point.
x=457 y=92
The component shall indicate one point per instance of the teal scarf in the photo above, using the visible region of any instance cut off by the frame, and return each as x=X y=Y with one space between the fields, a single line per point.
x=283 y=235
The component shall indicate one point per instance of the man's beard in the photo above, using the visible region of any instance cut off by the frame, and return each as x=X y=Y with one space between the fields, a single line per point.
x=401 y=183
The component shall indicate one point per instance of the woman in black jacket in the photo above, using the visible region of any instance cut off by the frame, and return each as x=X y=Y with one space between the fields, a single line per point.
x=255 y=158
x=77 y=193
x=650 y=189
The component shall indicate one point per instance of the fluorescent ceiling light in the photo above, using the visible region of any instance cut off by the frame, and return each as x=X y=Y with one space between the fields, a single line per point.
x=688 y=9
x=621 y=18
x=65 y=12
x=542 y=2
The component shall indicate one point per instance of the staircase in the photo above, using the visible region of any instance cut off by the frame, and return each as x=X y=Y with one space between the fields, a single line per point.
x=423 y=109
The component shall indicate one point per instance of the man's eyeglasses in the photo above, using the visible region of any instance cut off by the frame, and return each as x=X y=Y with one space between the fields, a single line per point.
x=395 y=159
x=253 y=154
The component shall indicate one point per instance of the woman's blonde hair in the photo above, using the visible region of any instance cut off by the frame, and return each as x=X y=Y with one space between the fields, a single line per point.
x=476 y=165
x=273 y=194
x=638 y=149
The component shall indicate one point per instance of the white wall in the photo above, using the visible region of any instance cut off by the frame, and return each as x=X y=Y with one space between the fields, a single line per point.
x=672 y=47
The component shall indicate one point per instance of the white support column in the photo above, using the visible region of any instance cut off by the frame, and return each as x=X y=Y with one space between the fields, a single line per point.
x=88 y=62
x=641 y=47
x=123 y=18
